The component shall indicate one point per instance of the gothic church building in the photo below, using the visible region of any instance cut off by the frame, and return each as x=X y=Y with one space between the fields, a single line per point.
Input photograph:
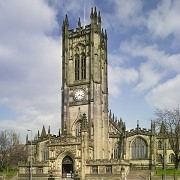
x=92 y=143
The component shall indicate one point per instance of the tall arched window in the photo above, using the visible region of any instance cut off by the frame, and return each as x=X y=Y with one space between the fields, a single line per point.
x=160 y=158
x=139 y=149
x=46 y=155
x=117 y=152
x=160 y=146
x=83 y=66
x=77 y=68
x=171 y=158
x=78 y=129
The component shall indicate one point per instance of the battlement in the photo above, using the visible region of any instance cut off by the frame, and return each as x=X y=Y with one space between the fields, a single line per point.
x=79 y=31
x=138 y=130
x=107 y=162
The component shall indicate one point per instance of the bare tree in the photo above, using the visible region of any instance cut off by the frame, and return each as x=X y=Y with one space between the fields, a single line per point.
x=11 y=151
x=171 y=120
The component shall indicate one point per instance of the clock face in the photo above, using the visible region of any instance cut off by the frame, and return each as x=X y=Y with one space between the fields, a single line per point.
x=79 y=95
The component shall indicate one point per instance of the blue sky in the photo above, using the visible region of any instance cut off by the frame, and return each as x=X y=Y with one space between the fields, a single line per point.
x=143 y=56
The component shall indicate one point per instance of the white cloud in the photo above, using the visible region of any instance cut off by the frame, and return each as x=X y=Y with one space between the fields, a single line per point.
x=138 y=49
x=67 y=6
x=172 y=62
x=149 y=77
x=165 y=95
x=119 y=76
x=24 y=122
x=26 y=16
x=126 y=13
x=153 y=55
x=164 y=20
x=116 y=59
x=154 y=64
x=30 y=61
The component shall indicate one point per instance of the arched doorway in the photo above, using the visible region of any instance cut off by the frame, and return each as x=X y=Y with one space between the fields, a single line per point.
x=67 y=167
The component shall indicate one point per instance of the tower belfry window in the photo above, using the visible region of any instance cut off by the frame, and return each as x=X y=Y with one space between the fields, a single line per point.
x=83 y=67
x=77 y=68
x=80 y=67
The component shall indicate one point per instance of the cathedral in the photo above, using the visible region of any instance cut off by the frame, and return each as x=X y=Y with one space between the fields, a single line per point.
x=92 y=143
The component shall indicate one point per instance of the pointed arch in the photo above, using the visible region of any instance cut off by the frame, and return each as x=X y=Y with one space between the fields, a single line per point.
x=76 y=126
x=77 y=67
x=78 y=129
x=67 y=165
x=139 y=148
x=160 y=144
x=117 y=151
x=171 y=158
x=159 y=158
x=77 y=119
x=83 y=66
x=60 y=162
x=80 y=61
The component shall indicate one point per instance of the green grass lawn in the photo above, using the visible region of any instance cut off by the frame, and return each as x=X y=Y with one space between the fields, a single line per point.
x=168 y=171
x=8 y=174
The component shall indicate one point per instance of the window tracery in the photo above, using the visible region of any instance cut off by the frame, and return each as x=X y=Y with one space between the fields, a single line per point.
x=77 y=67
x=139 y=149
x=78 y=129
x=83 y=66
x=80 y=64
x=117 y=152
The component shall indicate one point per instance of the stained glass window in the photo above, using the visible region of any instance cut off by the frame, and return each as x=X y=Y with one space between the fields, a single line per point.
x=139 y=149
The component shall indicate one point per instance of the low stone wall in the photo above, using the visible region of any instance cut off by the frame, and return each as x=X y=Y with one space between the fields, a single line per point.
x=104 y=177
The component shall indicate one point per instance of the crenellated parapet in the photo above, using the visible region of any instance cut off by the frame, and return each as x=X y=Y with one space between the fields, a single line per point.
x=107 y=162
x=79 y=31
x=139 y=131
x=93 y=27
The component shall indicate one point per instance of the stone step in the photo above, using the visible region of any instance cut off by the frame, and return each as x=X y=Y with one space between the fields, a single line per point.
x=138 y=175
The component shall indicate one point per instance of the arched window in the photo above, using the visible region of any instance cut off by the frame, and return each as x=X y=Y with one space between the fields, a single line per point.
x=117 y=152
x=160 y=146
x=171 y=158
x=46 y=155
x=83 y=66
x=80 y=66
x=160 y=158
x=77 y=68
x=78 y=129
x=139 y=149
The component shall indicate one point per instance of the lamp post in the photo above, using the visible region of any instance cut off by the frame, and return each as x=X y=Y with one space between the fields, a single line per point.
x=164 y=157
x=31 y=155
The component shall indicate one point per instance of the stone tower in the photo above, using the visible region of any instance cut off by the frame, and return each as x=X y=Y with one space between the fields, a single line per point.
x=84 y=81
